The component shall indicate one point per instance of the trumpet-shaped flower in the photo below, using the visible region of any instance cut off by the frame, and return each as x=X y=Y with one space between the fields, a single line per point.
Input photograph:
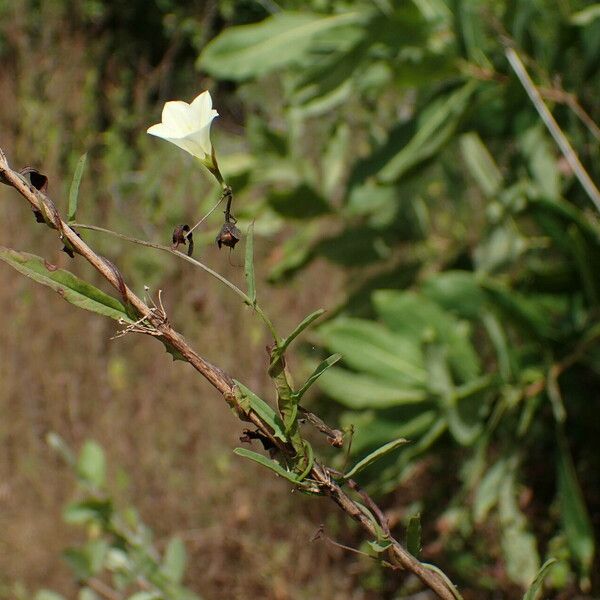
x=188 y=126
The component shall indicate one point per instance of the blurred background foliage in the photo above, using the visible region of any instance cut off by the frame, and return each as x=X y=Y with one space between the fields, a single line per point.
x=399 y=176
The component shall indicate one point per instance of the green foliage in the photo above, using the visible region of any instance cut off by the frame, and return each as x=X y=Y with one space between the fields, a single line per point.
x=91 y=466
x=533 y=592
x=374 y=456
x=119 y=546
x=471 y=251
x=74 y=190
x=319 y=370
x=68 y=286
x=262 y=409
x=413 y=535
x=281 y=40
x=269 y=463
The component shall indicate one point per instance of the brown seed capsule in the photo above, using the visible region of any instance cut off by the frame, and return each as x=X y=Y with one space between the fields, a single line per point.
x=40 y=182
x=229 y=235
x=181 y=235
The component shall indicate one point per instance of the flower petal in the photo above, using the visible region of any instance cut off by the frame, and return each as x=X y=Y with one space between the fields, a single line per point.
x=188 y=125
x=178 y=117
x=201 y=108
x=160 y=130
x=201 y=140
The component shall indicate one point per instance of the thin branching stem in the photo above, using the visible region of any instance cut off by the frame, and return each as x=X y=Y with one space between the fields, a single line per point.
x=210 y=212
x=218 y=378
x=236 y=290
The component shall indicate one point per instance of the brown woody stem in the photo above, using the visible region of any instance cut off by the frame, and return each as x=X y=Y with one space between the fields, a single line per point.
x=220 y=380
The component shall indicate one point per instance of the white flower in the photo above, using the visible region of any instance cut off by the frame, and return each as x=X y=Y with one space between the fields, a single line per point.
x=188 y=125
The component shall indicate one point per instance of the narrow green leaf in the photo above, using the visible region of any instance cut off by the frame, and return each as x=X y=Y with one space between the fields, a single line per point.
x=413 y=535
x=375 y=456
x=249 y=265
x=378 y=547
x=267 y=462
x=435 y=127
x=175 y=560
x=68 y=286
x=321 y=368
x=488 y=491
x=575 y=517
x=91 y=465
x=74 y=190
x=481 y=164
x=264 y=411
x=306 y=322
x=536 y=586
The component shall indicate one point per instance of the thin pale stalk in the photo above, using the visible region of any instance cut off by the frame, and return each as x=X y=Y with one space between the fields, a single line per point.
x=555 y=131
x=259 y=311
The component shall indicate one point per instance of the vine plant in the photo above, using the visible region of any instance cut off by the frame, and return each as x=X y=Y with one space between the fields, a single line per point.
x=288 y=453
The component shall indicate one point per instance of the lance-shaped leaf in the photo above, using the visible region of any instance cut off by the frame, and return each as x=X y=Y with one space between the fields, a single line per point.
x=375 y=456
x=68 y=286
x=321 y=368
x=575 y=517
x=283 y=39
x=536 y=586
x=249 y=265
x=74 y=189
x=481 y=164
x=264 y=411
x=306 y=322
x=175 y=560
x=379 y=547
x=434 y=128
x=267 y=462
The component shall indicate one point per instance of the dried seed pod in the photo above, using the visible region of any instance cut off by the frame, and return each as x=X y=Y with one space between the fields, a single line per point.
x=40 y=182
x=181 y=235
x=229 y=235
